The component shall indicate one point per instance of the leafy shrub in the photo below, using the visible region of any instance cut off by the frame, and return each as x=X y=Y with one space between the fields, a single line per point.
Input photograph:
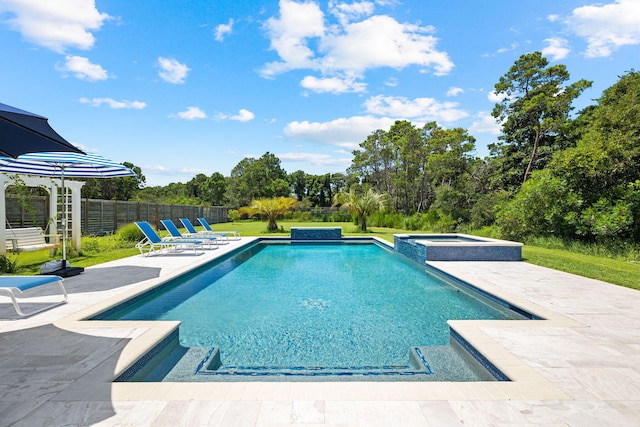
x=340 y=216
x=544 y=206
x=9 y=265
x=233 y=215
x=90 y=244
x=387 y=219
x=302 y=216
x=130 y=233
x=606 y=220
x=433 y=220
x=444 y=224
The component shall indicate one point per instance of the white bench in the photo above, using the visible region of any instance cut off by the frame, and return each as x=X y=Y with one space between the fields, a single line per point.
x=14 y=286
x=29 y=239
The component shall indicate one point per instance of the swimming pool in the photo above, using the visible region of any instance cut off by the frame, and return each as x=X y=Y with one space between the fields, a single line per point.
x=308 y=311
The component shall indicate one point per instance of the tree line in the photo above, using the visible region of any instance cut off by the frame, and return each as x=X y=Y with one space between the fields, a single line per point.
x=550 y=172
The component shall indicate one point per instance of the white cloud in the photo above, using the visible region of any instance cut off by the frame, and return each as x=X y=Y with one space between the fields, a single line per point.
x=54 y=24
x=303 y=41
x=172 y=71
x=502 y=50
x=342 y=132
x=83 y=69
x=557 y=48
x=289 y=34
x=223 y=29
x=485 y=123
x=455 y=91
x=383 y=111
x=97 y=102
x=332 y=85
x=242 y=116
x=494 y=97
x=315 y=159
x=391 y=82
x=553 y=18
x=191 y=113
x=346 y=12
x=420 y=109
x=607 y=27
x=171 y=171
x=381 y=41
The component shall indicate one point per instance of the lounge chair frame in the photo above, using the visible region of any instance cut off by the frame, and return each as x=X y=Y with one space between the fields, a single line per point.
x=156 y=244
x=15 y=286
x=223 y=237
x=207 y=227
x=174 y=233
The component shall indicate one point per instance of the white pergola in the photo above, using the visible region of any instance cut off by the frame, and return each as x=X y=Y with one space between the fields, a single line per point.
x=51 y=185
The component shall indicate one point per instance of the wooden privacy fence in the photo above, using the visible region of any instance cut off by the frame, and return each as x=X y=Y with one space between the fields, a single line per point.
x=100 y=217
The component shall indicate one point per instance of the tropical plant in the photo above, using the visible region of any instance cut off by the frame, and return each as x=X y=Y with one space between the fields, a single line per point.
x=360 y=205
x=273 y=208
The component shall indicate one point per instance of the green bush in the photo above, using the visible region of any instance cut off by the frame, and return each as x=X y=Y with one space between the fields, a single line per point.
x=387 y=219
x=130 y=233
x=544 y=206
x=233 y=215
x=303 y=216
x=339 y=216
x=9 y=265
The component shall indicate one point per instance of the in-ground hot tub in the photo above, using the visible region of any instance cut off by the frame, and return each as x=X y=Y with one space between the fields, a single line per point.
x=456 y=247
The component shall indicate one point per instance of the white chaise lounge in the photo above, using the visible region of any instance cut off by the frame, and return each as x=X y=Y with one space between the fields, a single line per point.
x=14 y=286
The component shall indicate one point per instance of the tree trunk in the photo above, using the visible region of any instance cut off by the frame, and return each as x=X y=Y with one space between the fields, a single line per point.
x=533 y=153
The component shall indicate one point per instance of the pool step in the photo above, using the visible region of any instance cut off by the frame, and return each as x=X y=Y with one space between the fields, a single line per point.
x=212 y=365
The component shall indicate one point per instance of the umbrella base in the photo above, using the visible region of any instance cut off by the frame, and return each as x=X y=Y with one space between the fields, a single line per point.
x=66 y=272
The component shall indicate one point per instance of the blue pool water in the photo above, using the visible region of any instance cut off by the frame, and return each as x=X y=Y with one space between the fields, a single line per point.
x=286 y=306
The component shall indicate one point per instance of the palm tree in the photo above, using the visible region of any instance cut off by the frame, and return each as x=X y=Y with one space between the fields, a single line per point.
x=273 y=208
x=360 y=205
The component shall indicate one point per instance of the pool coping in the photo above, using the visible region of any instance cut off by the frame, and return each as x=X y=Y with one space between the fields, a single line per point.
x=526 y=383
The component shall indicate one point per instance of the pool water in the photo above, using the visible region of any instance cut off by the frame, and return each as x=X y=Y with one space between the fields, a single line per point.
x=278 y=307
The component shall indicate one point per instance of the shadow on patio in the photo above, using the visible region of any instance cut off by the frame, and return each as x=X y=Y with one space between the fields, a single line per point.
x=51 y=376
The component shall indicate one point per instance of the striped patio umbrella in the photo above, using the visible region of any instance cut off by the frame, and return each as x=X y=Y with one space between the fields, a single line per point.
x=64 y=165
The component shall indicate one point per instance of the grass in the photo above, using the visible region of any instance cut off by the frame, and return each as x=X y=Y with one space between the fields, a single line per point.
x=616 y=271
x=258 y=228
x=98 y=250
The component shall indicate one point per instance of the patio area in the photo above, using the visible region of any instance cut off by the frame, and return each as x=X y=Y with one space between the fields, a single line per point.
x=579 y=367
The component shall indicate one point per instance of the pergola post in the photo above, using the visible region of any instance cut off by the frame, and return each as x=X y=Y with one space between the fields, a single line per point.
x=51 y=185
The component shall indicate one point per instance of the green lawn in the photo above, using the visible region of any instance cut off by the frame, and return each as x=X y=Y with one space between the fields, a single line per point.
x=97 y=250
x=619 y=272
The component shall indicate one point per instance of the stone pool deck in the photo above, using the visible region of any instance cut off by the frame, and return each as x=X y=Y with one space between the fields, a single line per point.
x=580 y=367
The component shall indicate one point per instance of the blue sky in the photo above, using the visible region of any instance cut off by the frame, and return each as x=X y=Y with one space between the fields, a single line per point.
x=186 y=87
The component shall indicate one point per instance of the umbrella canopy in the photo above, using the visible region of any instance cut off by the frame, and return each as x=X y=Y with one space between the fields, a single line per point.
x=23 y=132
x=64 y=165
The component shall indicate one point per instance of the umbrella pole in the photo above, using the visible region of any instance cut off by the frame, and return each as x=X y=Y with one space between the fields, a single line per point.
x=65 y=271
x=64 y=219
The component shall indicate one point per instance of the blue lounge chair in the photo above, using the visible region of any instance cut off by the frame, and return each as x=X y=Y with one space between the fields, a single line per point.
x=224 y=237
x=14 y=286
x=207 y=227
x=174 y=233
x=155 y=243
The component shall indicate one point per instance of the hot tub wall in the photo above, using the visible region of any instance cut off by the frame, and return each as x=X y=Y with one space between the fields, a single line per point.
x=481 y=250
